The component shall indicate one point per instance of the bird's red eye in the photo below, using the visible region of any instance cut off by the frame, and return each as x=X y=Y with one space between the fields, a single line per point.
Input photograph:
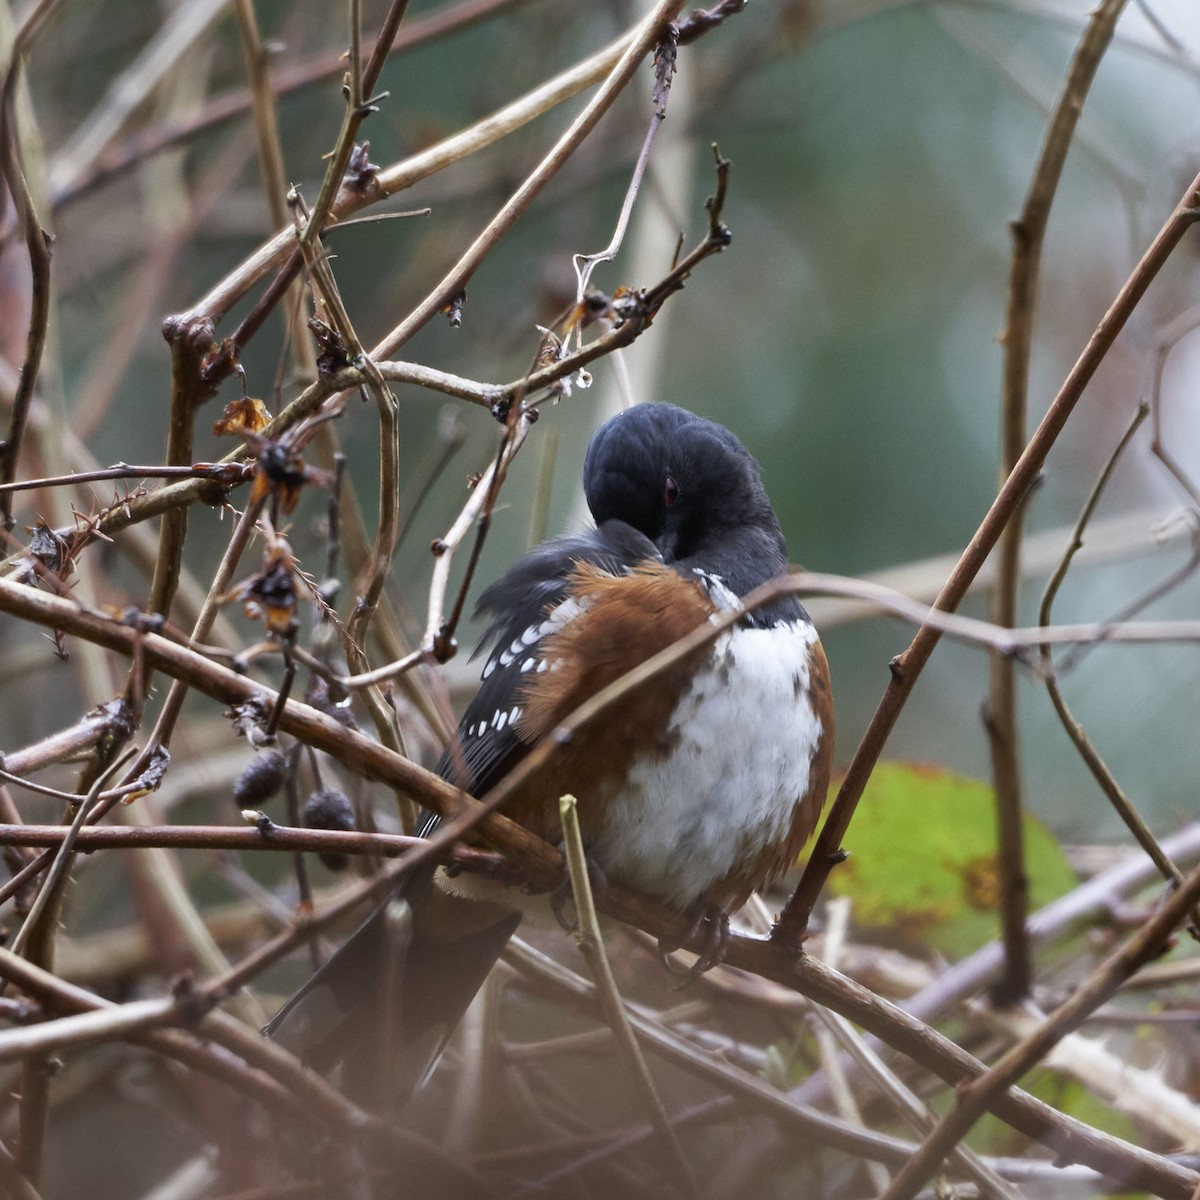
x=670 y=491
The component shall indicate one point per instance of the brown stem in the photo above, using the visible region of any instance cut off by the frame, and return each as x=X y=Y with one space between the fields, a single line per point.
x=1028 y=233
x=37 y=243
x=357 y=110
x=190 y=341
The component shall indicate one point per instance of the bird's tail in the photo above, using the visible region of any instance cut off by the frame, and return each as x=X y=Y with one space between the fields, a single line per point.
x=376 y=1017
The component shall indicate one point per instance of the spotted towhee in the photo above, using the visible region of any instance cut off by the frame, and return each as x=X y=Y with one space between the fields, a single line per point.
x=699 y=789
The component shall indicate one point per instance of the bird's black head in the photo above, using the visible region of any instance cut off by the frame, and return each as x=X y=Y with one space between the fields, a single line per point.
x=691 y=487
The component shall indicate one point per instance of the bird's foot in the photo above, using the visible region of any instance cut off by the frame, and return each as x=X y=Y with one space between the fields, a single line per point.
x=561 y=897
x=711 y=928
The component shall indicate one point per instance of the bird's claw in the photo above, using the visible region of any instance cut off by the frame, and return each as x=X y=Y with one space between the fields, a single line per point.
x=561 y=893
x=715 y=942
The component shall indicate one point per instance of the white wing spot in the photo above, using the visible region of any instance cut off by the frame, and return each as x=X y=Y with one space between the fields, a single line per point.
x=528 y=665
x=718 y=591
x=500 y=720
x=491 y=666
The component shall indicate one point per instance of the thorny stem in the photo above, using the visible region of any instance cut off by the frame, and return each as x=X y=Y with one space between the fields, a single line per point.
x=266 y=120
x=34 y=940
x=265 y=835
x=379 y=561
x=636 y=314
x=160 y=737
x=358 y=108
x=222 y=473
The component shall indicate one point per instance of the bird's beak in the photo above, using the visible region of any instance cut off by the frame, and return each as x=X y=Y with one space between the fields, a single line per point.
x=668 y=544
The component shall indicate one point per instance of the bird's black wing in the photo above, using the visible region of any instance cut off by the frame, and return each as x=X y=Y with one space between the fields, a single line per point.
x=383 y=1006
x=521 y=605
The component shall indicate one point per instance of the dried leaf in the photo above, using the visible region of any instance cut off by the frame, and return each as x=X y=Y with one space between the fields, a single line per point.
x=243 y=416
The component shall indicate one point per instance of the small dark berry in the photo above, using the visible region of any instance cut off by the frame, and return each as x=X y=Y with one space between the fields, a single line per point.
x=330 y=809
x=261 y=779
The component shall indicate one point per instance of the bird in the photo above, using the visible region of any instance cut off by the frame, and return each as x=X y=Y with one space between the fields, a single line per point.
x=699 y=788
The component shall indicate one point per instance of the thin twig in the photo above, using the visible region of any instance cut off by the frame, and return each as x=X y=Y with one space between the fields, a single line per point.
x=226 y=473
x=635 y=316
x=438 y=631
x=808 y=1123
x=451 y=434
x=1152 y=593
x=664 y=64
x=274 y=174
x=827 y=1034
x=359 y=106
x=160 y=737
x=75 y=742
x=1095 y=763
x=909 y=1106
x=37 y=245
x=34 y=938
x=1169 y=339
x=590 y=941
x=264 y=834
x=35 y=942
x=275 y=252
x=266 y=120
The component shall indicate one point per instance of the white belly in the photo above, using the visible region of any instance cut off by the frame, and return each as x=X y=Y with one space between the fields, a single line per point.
x=736 y=765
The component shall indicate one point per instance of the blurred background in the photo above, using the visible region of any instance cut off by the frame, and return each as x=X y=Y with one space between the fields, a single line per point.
x=848 y=335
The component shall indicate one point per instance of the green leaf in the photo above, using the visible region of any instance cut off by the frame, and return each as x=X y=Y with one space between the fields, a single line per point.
x=923 y=866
